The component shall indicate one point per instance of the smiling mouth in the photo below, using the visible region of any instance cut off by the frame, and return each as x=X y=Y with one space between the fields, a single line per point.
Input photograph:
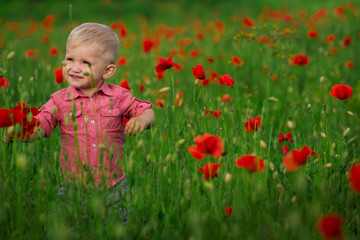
x=76 y=76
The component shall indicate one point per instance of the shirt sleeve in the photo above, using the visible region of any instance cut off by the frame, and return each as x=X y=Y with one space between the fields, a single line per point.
x=136 y=106
x=49 y=117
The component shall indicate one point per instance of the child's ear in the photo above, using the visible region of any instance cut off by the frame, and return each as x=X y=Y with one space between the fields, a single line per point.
x=109 y=71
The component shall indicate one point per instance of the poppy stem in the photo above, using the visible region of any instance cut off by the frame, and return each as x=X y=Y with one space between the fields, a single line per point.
x=173 y=90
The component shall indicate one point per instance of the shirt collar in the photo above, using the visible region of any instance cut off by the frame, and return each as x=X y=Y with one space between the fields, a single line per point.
x=72 y=93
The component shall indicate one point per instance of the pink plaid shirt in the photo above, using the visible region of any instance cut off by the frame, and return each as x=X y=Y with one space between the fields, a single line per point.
x=97 y=142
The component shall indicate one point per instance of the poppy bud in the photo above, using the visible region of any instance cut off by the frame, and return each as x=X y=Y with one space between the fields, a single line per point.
x=168 y=157
x=322 y=79
x=271 y=166
x=164 y=89
x=180 y=142
x=272 y=99
x=346 y=131
x=350 y=113
x=328 y=165
x=10 y=130
x=10 y=55
x=275 y=175
x=140 y=144
x=323 y=134
x=21 y=161
x=262 y=144
x=280 y=187
x=54 y=110
x=209 y=186
x=293 y=199
x=227 y=177
x=290 y=124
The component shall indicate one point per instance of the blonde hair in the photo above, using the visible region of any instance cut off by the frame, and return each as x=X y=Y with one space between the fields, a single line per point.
x=99 y=35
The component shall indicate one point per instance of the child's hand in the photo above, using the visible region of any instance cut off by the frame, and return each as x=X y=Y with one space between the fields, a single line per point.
x=135 y=125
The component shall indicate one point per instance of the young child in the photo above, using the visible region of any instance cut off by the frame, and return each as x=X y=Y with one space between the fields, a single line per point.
x=90 y=112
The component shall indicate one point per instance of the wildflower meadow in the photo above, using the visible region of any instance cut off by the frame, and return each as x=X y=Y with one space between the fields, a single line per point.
x=257 y=120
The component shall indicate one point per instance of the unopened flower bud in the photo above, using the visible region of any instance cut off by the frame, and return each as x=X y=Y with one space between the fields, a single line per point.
x=290 y=124
x=164 y=89
x=86 y=74
x=328 y=165
x=322 y=79
x=10 y=55
x=272 y=99
x=227 y=177
x=322 y=134
x=346 y=132
x=293 y=199
x=262 y=144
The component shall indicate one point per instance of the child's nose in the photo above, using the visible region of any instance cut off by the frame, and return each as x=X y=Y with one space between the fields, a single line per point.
x=76 y=67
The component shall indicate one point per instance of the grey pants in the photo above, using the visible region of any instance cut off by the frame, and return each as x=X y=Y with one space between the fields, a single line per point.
x=114 y=199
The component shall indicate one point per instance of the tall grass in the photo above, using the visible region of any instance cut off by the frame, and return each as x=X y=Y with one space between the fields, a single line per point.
x=168 y=197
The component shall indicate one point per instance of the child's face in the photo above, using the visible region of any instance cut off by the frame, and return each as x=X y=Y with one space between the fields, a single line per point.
x=78 y=60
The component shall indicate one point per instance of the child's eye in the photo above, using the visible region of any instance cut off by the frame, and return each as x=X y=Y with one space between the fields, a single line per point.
x=87 y=63
x=69 y=59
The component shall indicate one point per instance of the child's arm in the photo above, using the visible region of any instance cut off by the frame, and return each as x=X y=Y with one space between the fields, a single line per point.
x=138 y=124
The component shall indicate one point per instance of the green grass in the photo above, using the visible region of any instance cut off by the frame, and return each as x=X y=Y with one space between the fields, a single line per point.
x=168 y=198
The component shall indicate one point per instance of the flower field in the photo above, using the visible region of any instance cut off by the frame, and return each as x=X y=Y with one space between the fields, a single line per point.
x=257 y=121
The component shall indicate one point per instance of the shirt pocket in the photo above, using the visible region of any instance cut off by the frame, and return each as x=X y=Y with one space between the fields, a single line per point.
x=68 y=120
x=111 y=118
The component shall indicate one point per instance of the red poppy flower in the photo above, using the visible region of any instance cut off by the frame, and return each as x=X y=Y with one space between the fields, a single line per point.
x=226 y=98
x=349 y=64
x=210 y=60
x=312 y=34
x=125 y=84
x=285 y=149
x=330 y=38
x=217 y=113
x=195 y=53
x=164 y=64
x=141 y=87
x=122 y=61
x=237 y=61
x=354 y=177
x=30 y=53
x=207 y=112
x=45 y=38
x=207 y=144
x=159 y=102
x=346 y=42
x=330 y=226
x=18 y=115
x=333 y=51
x=251 y=163
x=253 y=124
x=247 y=22
x=59 y=78
x=227 y=80
x=339 y=10
x=295 y=158
x=204 y=82
x=147 y=44
x=228 y=211
x=53 y=51
x=286 y=137
x=4 y=82
x=341 y=91
x=210 y=170
x=300 y=60
x=198 y=72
